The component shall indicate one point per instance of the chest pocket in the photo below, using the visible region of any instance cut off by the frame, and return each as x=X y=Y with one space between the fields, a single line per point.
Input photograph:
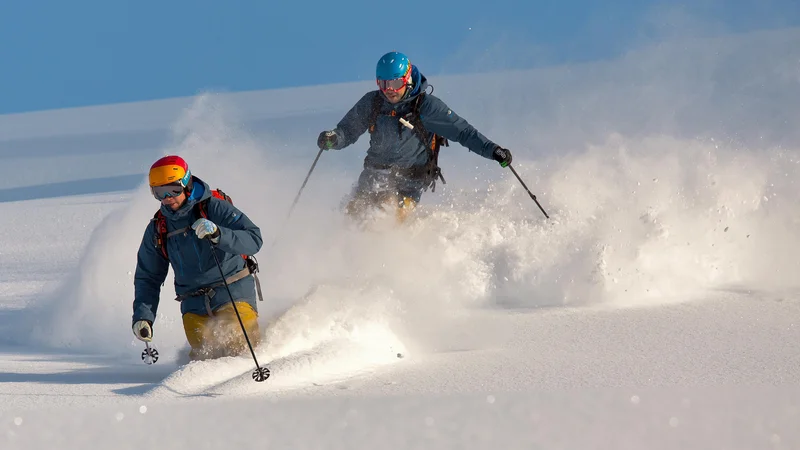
x=388 y=134
x=186 y=252
x=384 y=137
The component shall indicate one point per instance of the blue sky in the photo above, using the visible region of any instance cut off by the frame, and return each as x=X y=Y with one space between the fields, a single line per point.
x=57 y=53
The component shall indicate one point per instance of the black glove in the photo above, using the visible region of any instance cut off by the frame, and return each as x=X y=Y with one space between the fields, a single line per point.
x=327 y=140
x=502 y=155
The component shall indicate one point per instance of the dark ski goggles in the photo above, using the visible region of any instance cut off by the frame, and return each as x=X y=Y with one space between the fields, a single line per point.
x=167 y=190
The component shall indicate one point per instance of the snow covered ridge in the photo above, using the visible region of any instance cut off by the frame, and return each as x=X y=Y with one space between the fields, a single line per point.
x=683 y=81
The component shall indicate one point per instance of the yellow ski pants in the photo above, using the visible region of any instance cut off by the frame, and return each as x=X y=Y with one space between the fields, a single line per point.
x=221 y=335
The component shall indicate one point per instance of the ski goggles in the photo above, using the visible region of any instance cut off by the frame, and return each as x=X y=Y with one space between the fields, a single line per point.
x=395 y=84
x=166 y=190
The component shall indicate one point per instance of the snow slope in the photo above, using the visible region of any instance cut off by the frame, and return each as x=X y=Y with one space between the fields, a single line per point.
x=657 y=308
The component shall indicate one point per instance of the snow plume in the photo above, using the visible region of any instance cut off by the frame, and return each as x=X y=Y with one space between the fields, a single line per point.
x=634 y=221
x=92 y=310
x=667 y=171
x=332 y=333
x=638 y=221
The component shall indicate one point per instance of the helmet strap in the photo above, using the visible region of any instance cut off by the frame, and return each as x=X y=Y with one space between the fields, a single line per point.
x=409 y=89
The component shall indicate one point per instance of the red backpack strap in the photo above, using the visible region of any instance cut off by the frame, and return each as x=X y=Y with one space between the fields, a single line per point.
x=160 y=224
x=218 y=193
x=201 y=206
x=201 y=209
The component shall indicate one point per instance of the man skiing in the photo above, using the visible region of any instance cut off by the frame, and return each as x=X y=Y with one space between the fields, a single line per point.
x=191 y=224
x=407 y=126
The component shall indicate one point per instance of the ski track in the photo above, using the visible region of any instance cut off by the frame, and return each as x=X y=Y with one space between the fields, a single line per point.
x=326 y=362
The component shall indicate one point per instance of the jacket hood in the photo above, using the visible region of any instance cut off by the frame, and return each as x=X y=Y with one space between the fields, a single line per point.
x=420 y=85
x=200 y=192
x=419 y=80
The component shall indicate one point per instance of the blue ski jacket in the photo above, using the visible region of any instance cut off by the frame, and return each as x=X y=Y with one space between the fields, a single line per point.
x=394 y=145
x=191 y=259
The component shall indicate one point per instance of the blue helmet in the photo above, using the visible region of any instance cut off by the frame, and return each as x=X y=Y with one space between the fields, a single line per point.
x=392 y=65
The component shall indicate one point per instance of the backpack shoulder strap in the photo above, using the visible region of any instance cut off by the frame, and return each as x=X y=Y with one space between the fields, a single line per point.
x=432 y=147
x=160 y=233
x=160 y=222
x=202 y=207
x=375 y=111
x=436 y=141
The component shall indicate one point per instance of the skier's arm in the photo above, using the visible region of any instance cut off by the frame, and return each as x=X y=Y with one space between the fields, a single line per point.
x=151 y=271
x=439 y=119
x=238 y=234
x=355 y=122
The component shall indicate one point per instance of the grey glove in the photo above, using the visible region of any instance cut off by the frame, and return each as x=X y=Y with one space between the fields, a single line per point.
x=143 y=330
x=205 y=228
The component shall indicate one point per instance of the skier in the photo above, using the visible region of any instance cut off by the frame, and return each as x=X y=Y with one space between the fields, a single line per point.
x=192 y=222
x=407 y=127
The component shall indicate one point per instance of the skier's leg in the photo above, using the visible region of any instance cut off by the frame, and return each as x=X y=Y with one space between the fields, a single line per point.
x=221 y=335
x=404 y=208
x=409 y=194
x=369 y=192
x=228 y=339
x=194 y=326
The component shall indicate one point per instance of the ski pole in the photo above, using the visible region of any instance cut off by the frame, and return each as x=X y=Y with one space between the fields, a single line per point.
x=261 y=373
x=297 y=197
x=528 y=190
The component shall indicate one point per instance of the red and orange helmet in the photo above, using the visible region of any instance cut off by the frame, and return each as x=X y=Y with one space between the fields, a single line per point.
x=169 y=170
